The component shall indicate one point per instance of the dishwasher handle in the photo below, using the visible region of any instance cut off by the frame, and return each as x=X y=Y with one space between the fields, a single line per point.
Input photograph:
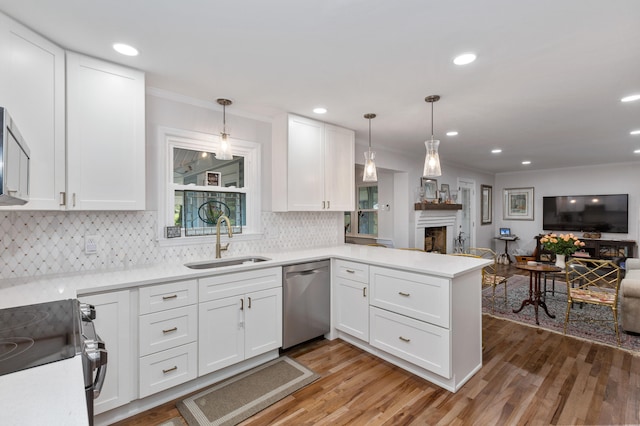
x=306 y=268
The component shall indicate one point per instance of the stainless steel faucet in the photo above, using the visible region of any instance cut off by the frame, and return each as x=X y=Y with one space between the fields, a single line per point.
x=220 y=247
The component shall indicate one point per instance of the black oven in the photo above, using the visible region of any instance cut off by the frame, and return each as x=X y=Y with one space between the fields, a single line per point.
x=39 y=334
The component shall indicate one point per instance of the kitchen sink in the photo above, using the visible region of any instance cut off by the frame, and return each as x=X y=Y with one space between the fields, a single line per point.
x=219 y=263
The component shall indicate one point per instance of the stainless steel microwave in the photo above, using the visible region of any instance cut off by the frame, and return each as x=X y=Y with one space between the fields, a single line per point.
x=14 y=163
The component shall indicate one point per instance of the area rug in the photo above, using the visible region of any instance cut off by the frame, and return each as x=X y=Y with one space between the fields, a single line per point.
x=240 y=397
x=518 y=290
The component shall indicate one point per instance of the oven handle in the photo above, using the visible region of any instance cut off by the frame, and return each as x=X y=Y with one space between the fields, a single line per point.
x=102 y=370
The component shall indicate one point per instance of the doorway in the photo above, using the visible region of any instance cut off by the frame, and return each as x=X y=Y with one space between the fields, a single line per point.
x=466 y=222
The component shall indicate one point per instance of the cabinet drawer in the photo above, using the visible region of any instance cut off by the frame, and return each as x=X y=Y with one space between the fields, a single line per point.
x=169 y=368
x=160 y=297
x=228 y=285
x=168 y=329
x=417 y=342
x=351 y=271
x=422 y=297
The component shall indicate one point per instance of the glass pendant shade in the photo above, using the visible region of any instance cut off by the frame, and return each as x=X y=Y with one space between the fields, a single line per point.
x=370 y=173
x=224 y=152
x=432 y=159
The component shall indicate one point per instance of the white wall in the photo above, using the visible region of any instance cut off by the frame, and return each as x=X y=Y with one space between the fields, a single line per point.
x=606 y=179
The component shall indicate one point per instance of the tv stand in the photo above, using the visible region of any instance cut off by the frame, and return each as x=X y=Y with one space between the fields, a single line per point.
x=616 y=250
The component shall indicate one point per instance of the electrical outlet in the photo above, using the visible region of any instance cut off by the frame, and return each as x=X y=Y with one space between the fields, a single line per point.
x=90 y=244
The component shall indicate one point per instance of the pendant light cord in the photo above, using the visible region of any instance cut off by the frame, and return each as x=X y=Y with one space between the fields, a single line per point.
x=369 y=134
x=431 y=120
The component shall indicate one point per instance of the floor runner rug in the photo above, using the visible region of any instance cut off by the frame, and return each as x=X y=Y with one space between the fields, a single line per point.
x=240 y=397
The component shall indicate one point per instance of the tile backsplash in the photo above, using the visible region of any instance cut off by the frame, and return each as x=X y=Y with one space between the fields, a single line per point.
x=36 y=243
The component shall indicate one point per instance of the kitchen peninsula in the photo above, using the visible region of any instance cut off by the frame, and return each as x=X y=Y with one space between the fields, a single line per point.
x=422 y=311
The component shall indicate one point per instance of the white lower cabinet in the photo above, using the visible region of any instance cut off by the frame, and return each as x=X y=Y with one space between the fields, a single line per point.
x=240 y=316
x=351 y=298
x=113 y=325
x=168 y=330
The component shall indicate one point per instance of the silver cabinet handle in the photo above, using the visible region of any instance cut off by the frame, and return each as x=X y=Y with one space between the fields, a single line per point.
x=323 y=205
x=249 y=305
x=404 y=294
x=173 y=296
x=74 y=199
x=351 y=271
x=404 y=339
x=242 y=304
x=170 y=330
x=328 y=204
x=168 y=370
x=63 y=198
x=364 y=292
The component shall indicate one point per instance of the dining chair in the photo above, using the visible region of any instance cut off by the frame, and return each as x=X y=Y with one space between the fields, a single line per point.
x=595 y=282
x=490 y=275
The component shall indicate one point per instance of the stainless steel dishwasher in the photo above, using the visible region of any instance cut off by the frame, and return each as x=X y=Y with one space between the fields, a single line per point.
x=306 y=302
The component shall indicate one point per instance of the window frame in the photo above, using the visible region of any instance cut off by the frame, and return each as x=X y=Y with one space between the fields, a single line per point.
x=168 y=139
x=355 y=218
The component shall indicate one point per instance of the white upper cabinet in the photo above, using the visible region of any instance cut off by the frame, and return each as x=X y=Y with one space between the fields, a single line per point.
x=313 y=165
x=32 y=88
x=105 y=135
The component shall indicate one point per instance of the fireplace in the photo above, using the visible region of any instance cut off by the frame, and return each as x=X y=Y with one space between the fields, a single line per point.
x=444 y=222
x=435 y=239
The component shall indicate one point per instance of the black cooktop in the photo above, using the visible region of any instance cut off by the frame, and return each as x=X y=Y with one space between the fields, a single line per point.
x=38 y=334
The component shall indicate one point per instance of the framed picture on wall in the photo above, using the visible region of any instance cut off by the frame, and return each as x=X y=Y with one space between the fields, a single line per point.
x=518 y=204
x=430 y=187
x=486 y=204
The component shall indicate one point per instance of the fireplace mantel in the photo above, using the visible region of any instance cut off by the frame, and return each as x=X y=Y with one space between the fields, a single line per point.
x=439 y=206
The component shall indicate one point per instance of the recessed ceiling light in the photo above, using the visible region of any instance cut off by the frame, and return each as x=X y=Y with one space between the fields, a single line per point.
x=630 y=98
x=635 y=132
x=320 y=110
x=526 y=162
x=464 y=59
x=125 y=49
x=637 y=151
x=496 y=151
x=454 y=133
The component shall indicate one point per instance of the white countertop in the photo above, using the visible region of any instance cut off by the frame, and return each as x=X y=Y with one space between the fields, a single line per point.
x=54 y=394
x=26 y=291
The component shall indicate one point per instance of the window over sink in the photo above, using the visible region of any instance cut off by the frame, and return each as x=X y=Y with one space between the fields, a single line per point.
x=200 y=188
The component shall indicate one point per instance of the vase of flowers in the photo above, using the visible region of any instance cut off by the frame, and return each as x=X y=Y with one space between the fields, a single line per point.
x=562 y=245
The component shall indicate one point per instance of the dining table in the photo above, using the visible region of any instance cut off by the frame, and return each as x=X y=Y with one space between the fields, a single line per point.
x=535 y=293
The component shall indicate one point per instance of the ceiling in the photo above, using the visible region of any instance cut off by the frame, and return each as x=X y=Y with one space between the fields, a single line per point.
x=546 y=85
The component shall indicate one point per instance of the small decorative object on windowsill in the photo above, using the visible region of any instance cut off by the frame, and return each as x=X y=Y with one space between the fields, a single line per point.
x=562 y=245
x=592 y=235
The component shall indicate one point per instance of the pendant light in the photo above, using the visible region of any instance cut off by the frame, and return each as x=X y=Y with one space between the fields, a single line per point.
x=432 y=159
x=370 y=174
x=224 y=153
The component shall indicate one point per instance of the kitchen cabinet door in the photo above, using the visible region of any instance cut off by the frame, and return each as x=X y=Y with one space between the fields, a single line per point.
x=105 y=135
x=263 y=321
x=339 y=169
x=306 y=165
x=352 y=307
x=220 y=334
x=33 y=91
x=113 y=325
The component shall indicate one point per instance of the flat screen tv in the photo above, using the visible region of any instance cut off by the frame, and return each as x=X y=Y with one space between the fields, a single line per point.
x=586 y=213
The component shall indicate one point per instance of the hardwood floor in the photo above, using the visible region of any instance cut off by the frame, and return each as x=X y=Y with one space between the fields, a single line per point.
x=529 y=376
